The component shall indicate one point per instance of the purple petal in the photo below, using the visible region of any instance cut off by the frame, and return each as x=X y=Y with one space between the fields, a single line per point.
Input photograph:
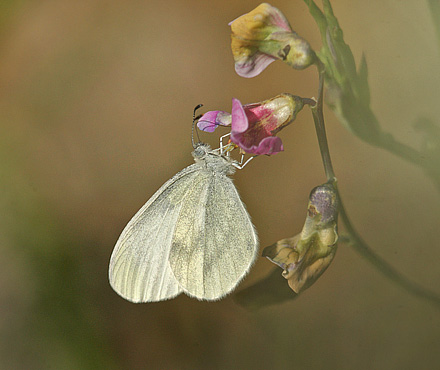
x=254 y=65
x=210 y=120
x=324 y=199
x=278 y=19
x=269 y=145
x=239 y=119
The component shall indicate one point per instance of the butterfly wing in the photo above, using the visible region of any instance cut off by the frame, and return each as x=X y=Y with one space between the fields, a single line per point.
x=214 y=243
x=139 y=270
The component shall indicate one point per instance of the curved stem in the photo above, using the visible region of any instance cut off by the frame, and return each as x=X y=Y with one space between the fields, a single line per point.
x=354 y=238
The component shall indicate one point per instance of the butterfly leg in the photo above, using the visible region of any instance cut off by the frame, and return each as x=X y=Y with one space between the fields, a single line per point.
x=222 y=147
x=239 y=165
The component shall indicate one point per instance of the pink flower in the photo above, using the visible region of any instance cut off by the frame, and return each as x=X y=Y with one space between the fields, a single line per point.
x=251 y=129
x=254 y=126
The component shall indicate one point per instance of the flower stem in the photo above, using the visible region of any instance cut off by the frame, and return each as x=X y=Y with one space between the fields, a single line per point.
x=318 y=118
x=353 y=237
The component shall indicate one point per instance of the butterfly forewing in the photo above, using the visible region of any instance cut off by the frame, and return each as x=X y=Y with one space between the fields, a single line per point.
x=139 y=269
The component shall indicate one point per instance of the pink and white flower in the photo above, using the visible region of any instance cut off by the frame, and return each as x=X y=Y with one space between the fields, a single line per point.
x=254 y=126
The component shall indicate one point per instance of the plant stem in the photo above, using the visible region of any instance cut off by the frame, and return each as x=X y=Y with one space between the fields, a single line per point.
x=354 y=238
x=318 y=118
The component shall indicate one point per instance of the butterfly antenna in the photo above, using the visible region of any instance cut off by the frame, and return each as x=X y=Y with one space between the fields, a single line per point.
x=194 y=125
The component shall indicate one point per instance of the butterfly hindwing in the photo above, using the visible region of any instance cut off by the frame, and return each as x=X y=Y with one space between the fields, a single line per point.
x=215 y=242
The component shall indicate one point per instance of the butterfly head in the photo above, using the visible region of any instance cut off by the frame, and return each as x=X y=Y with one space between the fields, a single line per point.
x=201 y=150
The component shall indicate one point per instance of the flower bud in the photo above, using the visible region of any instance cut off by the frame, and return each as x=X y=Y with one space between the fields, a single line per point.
x=306 y=256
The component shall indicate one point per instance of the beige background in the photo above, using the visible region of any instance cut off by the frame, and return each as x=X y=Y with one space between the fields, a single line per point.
x=95 y=113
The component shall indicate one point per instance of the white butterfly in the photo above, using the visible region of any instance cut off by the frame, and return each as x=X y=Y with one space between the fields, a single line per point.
x=194 y=235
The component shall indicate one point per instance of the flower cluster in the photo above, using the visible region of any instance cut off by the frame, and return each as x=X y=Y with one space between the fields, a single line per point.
x=259 y=38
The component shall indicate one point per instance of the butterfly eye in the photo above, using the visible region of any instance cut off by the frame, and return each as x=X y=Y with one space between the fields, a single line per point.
x=199 y=151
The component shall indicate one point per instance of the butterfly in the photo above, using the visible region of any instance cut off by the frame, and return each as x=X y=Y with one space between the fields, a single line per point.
x=193 y=235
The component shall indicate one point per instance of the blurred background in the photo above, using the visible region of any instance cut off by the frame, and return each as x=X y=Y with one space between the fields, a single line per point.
x=96 y=101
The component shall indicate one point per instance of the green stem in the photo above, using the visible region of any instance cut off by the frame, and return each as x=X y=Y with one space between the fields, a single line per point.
x=318 y=118
x=389 y=143
x=354 y=238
